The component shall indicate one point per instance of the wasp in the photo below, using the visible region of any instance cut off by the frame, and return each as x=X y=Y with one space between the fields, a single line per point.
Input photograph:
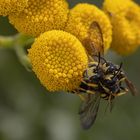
x=101 y=80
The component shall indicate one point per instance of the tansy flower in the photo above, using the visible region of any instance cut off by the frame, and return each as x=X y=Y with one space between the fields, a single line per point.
x=59 y=60
x=125 y=19
x=80 y=19
x=40 y=16
x=10 y=6
x=117 y=6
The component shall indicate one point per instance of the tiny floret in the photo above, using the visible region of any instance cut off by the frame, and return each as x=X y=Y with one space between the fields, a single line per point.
x=125 y=19
x=59 y=60
x=116 y=6
x=12 y=6
x=41 y=16
x=80 y=19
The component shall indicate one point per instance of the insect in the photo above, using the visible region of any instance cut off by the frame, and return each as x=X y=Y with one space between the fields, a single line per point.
x=101 y=80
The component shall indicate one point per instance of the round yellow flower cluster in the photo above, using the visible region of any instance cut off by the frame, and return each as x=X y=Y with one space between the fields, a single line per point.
x=40 y=16
x=125 y=19
x=59 y=55
x=59 y=60
x=116 y=6
x=12 y=6
x=80 y=19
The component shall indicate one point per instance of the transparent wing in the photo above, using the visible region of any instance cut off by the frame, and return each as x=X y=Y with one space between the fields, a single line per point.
x=94 y=41
x=131 y=87
x=110 y=106
x=89 y=109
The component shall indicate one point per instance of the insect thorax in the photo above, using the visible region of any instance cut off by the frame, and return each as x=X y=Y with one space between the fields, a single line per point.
x=105 y=78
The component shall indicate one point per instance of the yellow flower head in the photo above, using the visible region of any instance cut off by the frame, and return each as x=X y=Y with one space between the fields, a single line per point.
x=116 y=6
x=40 y=16
x=59 y=60
x=125 y=19
x=10 y=6
x=80 y=19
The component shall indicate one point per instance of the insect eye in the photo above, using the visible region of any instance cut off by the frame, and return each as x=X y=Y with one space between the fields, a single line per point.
x=111 y=69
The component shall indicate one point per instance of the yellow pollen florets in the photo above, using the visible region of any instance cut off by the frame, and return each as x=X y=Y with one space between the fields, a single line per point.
x=125 y=19
x=80 y=19
x=116 y=6
x=40 y=16
x=12 y=6
x=59 y=60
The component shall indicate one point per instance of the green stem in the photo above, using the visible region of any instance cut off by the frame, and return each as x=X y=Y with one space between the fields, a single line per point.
x=11 y=41
x=6 y=41
x=18 y=42
x=23 y=40
x=23 y=58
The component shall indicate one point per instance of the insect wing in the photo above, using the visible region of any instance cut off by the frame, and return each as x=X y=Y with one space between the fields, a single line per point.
x=131 y=87
x=110 y=106
x=96 y=36
x=94 y=41
x=88 y=110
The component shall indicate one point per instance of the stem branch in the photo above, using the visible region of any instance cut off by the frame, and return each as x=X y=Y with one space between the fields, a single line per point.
x=18 y=42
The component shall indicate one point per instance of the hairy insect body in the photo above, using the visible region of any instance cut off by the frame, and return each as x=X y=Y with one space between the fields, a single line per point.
x=106 y=79
x=101 y=80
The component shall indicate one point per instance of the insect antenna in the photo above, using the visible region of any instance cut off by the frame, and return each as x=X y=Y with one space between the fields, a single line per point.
x=101 y=58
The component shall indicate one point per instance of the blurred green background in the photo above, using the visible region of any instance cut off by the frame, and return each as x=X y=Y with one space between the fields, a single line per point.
x=29 y=112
